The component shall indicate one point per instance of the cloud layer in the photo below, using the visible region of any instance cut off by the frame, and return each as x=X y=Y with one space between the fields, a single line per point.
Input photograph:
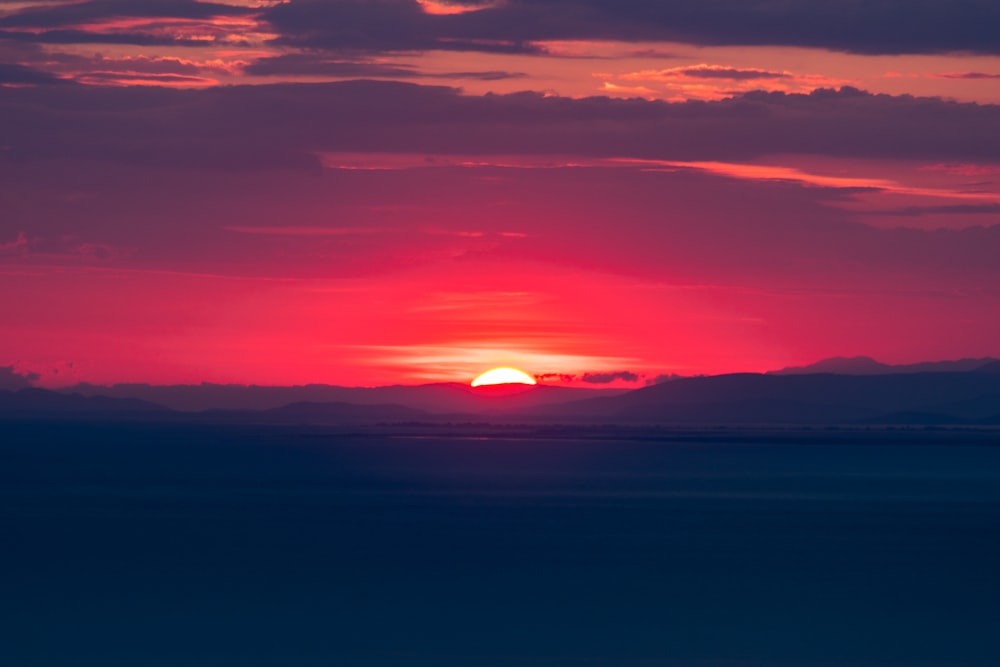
x=289 y=124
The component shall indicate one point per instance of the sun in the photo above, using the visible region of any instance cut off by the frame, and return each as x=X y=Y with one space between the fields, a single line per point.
x=503 y=376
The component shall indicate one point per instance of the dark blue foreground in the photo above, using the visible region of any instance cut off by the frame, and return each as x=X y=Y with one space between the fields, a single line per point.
x=127 y=545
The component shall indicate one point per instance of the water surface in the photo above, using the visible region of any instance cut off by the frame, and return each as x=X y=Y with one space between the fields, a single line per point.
x=208 y=545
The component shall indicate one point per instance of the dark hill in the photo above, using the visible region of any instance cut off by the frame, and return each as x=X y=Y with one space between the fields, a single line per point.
x=820 y=398
x=992 y=367
x=447 y=397
x=868 y=366
x=44 y=404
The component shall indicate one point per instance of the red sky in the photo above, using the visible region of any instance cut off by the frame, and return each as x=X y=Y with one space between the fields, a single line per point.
x=367 y=193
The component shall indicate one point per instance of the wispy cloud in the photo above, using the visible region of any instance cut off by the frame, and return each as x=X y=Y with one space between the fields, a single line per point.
x=791 y=174
x=985 y=76
x=126 y=78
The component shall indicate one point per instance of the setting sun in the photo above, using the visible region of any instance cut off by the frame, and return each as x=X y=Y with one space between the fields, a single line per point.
x=503 y=376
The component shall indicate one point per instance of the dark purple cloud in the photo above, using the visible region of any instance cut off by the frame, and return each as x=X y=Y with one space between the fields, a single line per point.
x=311 y=64
x=288 y=124
x=728 y=73
x=557 y=377
x=114 y=22
x=606 y=378
x=876 y=26
x=71 y=15
x=317 y=64
x=487 y=75
x=516 y=26
x=20 y=74
x=84 y=37
x=970 y=75
x=385 y=25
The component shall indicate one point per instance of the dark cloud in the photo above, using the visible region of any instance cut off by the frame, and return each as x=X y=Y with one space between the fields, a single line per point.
x=73 y=14
x=75 y=23
x=19 y=74
x=728 y=73
x=517 y=26
x=875 y=26
x=384 y=25
x=561 y=377
x=317 y=64
x=12 y=380
x=605 y=378
x=288 y=124
x=969 y=75
x=83 y=37
x=308 y=64
x=490 y=75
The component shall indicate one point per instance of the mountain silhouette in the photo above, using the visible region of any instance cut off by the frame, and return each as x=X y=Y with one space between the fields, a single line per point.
x=37 y=403
x=445 y=397
x=796 y=399
x=971 y=397
x=868 y=366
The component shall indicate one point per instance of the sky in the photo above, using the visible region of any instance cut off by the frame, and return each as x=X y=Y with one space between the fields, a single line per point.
x=599 y=192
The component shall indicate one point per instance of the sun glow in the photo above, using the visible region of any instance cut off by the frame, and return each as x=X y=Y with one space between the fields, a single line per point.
x=503 y=376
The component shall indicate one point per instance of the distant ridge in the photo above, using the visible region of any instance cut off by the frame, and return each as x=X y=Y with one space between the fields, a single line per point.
x=970 y=397
x=928 y=398
x=992 y=367
x=443 y=397
x=44 y=404
x=869 y=366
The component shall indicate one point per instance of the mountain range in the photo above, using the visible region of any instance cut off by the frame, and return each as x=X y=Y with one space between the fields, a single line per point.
x=445 y=397
x=910 y=395
x=868 y=366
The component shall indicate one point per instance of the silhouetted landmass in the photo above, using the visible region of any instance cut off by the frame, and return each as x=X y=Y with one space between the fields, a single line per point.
x=929 y=398
x=868 y=366
x=992 y=367
x=445 y=397
x=40 y=403
x=12 y=380
x=800 y=399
